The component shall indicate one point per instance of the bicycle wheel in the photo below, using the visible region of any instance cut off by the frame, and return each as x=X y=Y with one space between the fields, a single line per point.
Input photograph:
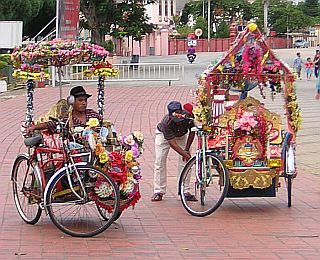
x=26 y=190
x=210 y=192
x=106 y=215
x=289 y=171
x=80 y=217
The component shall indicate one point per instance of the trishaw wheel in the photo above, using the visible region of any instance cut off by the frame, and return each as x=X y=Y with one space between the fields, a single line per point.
x=202 y=196
x=26 y=190
x=289 y=170
x=106 y=215
x=288 y=179
x=80 y=217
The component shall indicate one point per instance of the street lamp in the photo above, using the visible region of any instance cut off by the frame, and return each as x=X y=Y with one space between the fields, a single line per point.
x=209 y=27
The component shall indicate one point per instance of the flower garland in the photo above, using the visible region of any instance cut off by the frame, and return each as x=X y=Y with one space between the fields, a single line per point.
x=201 y=111
x=121 y=164
x=293 y=110
x=29 y=111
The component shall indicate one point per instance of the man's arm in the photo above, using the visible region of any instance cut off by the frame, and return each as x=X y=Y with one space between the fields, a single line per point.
x=41 y=126
x=173 y=144
x=189 y=141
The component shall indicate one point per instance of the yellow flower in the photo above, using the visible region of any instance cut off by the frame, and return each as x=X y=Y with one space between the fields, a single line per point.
x=252 y=27
x=129 y=156
x=93 y=122
x=103 y=157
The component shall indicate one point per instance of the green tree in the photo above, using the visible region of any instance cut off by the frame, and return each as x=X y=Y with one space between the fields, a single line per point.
x=99 y=15
x=20 y=10
x=202 y=24
x=107 y=17
x=311 y=8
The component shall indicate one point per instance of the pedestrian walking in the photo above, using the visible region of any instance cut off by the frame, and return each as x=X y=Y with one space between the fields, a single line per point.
x=297 y=64
x=316 y=61
x=172 y=132
x=308 y=64
x=318 y=88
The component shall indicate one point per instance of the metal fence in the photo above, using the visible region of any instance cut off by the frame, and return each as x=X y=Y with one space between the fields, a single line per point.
x=129 y=72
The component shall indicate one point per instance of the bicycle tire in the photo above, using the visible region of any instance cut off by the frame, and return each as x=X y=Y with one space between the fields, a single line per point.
x=288 y=177
x=105 y=215
x=25 y=192
x=81 y=218
x=217 y=183
x=288 y=180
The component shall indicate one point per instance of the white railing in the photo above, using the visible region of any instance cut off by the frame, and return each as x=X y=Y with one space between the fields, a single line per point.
x=129 y=72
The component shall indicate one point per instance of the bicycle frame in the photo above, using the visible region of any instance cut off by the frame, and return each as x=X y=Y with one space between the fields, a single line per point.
x=200 y=155
x=64 y=161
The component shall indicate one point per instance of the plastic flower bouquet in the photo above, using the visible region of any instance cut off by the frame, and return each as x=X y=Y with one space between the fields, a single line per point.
x=121 y=164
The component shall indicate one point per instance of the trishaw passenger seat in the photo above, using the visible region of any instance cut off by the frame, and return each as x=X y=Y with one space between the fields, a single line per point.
x=33 y=141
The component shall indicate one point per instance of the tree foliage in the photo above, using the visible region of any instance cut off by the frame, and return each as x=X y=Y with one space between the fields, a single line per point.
x=117 y=19
x=282 y=13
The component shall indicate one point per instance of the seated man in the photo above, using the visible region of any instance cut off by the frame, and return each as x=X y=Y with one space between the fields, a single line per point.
x=80 y=114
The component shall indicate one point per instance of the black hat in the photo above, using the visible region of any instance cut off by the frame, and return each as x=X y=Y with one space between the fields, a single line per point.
x=79 y=91
x=174 y=106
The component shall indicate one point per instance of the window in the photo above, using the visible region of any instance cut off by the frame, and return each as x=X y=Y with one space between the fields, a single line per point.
x=166 y=8
x=160 y=7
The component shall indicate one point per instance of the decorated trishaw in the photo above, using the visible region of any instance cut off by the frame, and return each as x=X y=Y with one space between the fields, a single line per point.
x=80 y=167
x=255 y=147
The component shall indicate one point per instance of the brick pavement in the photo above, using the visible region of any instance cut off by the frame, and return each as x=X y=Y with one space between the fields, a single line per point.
x=241 y=228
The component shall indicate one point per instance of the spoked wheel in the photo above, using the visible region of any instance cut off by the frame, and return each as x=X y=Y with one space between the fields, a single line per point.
x=288 y=180
x=106 y=215
x=209 y=192
x=81 y=217
x=289 y=170
x=26 y=190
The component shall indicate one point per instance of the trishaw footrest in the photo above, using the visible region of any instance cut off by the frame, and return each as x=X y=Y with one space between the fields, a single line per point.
x=252 y=192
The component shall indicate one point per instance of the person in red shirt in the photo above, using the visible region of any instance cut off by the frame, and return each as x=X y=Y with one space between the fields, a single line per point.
x=309 y=65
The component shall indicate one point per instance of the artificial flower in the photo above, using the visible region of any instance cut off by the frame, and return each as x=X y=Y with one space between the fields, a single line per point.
x=252 y=27
x=93 y=122
x=138 y=135
x=78 y=129
x=99 y=149
x=129 y=140
x=104 y=190
x=129 y=156
x=103 y=157
x=135 y=150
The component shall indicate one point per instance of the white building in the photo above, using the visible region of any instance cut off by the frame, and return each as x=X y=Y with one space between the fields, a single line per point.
x=161 y=12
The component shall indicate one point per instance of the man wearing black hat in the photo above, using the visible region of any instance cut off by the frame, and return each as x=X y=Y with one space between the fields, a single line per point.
x=172 y=133
x=78 y=99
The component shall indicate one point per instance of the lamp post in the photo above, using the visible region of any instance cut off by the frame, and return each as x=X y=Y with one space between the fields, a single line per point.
x=209 y=27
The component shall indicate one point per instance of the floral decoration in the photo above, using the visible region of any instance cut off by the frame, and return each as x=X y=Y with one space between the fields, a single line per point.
x=30 y=60
x=121 y=164
x=102 y=69
x=201 y=111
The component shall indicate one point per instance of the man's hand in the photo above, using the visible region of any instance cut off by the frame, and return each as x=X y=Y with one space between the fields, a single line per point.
x=186 y=157
x=29 y=130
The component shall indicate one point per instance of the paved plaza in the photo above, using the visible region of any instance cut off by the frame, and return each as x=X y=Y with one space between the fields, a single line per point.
x=255 y=228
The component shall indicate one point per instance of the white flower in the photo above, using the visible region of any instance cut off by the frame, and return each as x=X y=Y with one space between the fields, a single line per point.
x=104 y=190
x=138 y=135
x=78 y=129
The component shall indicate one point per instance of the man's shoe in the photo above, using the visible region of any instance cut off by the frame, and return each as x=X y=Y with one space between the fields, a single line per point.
x=190 y=197
x=157 y=197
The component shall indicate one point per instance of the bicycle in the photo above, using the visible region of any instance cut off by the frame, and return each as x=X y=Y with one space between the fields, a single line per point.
x=70 y=192
x=209 y=176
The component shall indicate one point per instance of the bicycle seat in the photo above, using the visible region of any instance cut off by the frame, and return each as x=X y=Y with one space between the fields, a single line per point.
x=33 y=141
